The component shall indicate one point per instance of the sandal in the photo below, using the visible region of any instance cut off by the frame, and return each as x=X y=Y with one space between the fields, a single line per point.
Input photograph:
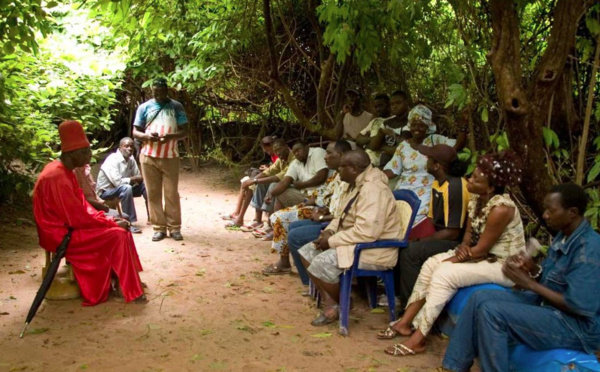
x=260 y=233
x=322 y=319
x=268 y=237
x=387 y=334
x=275 y=270
x=251 y=227
x=400 y=350
x=228 y=217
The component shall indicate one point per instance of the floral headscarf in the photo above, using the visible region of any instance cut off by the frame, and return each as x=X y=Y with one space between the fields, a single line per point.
x=423 y=114
x=501 y=168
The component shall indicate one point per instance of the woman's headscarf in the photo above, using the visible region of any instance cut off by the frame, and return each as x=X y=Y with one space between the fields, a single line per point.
x=502 y=168
x=423 y=114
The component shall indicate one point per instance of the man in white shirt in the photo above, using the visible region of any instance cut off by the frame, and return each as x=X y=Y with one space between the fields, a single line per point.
x=307 y=172
x=120 y=177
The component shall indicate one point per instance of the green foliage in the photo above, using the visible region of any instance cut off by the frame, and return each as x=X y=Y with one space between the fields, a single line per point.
x=19 y=21
x=70 y=77
x=593 y=211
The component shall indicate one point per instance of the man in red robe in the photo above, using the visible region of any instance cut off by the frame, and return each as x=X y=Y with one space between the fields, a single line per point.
x=99 y=246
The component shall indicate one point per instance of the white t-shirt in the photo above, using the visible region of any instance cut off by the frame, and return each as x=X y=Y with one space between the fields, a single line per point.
x=305 y=171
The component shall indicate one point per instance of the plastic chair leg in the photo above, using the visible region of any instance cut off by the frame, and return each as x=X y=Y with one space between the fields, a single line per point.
x=388 y=282
x=345 y=291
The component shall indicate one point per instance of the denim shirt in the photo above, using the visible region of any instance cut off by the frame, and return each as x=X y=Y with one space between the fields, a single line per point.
x=572 y=267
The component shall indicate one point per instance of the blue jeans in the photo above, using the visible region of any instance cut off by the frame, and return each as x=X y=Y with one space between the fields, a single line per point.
x=300 y=233
x=126 y=193
x=258 y=197
x=492 y=321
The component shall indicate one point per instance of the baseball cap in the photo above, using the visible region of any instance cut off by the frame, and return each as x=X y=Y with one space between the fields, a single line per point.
x=443 y=154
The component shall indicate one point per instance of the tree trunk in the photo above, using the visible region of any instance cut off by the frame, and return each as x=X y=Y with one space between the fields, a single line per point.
x=525 y=106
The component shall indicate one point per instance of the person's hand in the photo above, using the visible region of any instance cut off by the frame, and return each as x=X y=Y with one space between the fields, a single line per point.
x=298 y=185
x=124 y=224
x=268 y=199
x=462 y=252
x=263 y=167
x=346 y=108
x=135 y=180
x=316 y=214
x=153 y=137
x=248 y=183
x=322 y=242
x=387 y=131
x=519 y=276
x=310 y=200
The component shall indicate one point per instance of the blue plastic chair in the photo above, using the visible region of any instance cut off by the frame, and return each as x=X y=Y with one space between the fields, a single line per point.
x=408 y=205
x=522 y=357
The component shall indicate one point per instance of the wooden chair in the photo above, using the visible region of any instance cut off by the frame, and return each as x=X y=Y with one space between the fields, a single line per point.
x=64 y=286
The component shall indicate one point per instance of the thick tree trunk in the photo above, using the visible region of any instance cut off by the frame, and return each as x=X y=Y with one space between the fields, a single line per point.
x=525 y=106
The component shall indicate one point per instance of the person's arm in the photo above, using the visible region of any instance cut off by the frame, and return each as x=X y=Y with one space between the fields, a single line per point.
x=97 y=205
x=377 y=141
x=182 y=132
x=362 y=140
x=319 y=178
x=281 y=186
x=443 y=234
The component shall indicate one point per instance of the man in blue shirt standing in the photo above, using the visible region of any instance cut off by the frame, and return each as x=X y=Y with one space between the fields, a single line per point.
x=159 y=124
x=561 y=310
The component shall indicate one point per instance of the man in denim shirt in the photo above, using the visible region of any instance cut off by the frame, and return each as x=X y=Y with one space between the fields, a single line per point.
x=562 y=310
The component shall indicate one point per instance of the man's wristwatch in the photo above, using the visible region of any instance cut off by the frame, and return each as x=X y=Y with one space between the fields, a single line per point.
x=255 y=180
x=321 y=217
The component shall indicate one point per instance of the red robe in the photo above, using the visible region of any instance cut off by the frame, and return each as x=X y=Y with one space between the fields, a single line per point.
x=98 y=245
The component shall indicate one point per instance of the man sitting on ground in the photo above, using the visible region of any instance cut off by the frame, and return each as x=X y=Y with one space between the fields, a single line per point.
x=368 y=137
x=100 y=246
x=266 y=180
x=558 y=305
x=245 y=195
x=120 y=177
x=369 y=214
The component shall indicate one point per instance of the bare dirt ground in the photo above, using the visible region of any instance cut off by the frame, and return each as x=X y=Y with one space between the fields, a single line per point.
x=210 y=307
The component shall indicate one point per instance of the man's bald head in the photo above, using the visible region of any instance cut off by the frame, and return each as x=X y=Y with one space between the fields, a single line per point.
x=353 y=163
x=358 y=158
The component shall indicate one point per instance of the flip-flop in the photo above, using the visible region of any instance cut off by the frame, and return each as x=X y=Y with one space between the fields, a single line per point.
x=227 y=217
x=268 y=237
x=274 y=270
x=251 y=227
x=387 y=334
x=400 y=350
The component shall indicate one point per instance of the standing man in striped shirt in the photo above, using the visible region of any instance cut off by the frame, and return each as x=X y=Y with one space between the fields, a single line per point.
x=159 y=124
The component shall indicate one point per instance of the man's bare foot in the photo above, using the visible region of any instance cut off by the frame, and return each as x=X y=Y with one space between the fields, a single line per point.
x=403 y=330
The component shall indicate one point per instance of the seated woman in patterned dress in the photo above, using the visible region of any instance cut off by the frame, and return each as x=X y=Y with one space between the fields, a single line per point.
x=321 y=207
x=494 y=232
x=407 y=169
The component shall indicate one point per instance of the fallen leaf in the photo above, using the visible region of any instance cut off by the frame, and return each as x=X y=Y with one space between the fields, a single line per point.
x=12 y=297
x=269 y=324
x=377 y=310
x=218 y=365
x=200 y=272
x=322 y=335
x=153 y=326
x=267 y=289
x=4 y=313
x=196 y=357
x=205 y=332
x=38 y=330
x=84 y=366
x=16 y=272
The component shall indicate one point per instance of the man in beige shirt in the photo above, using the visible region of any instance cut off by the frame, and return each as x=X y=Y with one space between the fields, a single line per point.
x=369 y=214
x=352 y=119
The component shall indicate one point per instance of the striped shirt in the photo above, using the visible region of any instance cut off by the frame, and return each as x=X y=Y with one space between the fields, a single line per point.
x=449 y=203
x=164 y=121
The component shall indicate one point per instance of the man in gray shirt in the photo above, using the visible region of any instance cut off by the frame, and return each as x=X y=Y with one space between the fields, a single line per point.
x=120 y=177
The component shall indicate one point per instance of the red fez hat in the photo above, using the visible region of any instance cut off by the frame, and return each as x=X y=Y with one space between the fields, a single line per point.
x=72 y=136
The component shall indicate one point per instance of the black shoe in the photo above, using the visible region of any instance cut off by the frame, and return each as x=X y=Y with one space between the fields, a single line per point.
x=176 y=235
x=158 y=236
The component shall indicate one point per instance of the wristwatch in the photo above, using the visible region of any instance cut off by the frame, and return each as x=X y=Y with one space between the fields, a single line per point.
x=321 y=217
x=255 y=181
